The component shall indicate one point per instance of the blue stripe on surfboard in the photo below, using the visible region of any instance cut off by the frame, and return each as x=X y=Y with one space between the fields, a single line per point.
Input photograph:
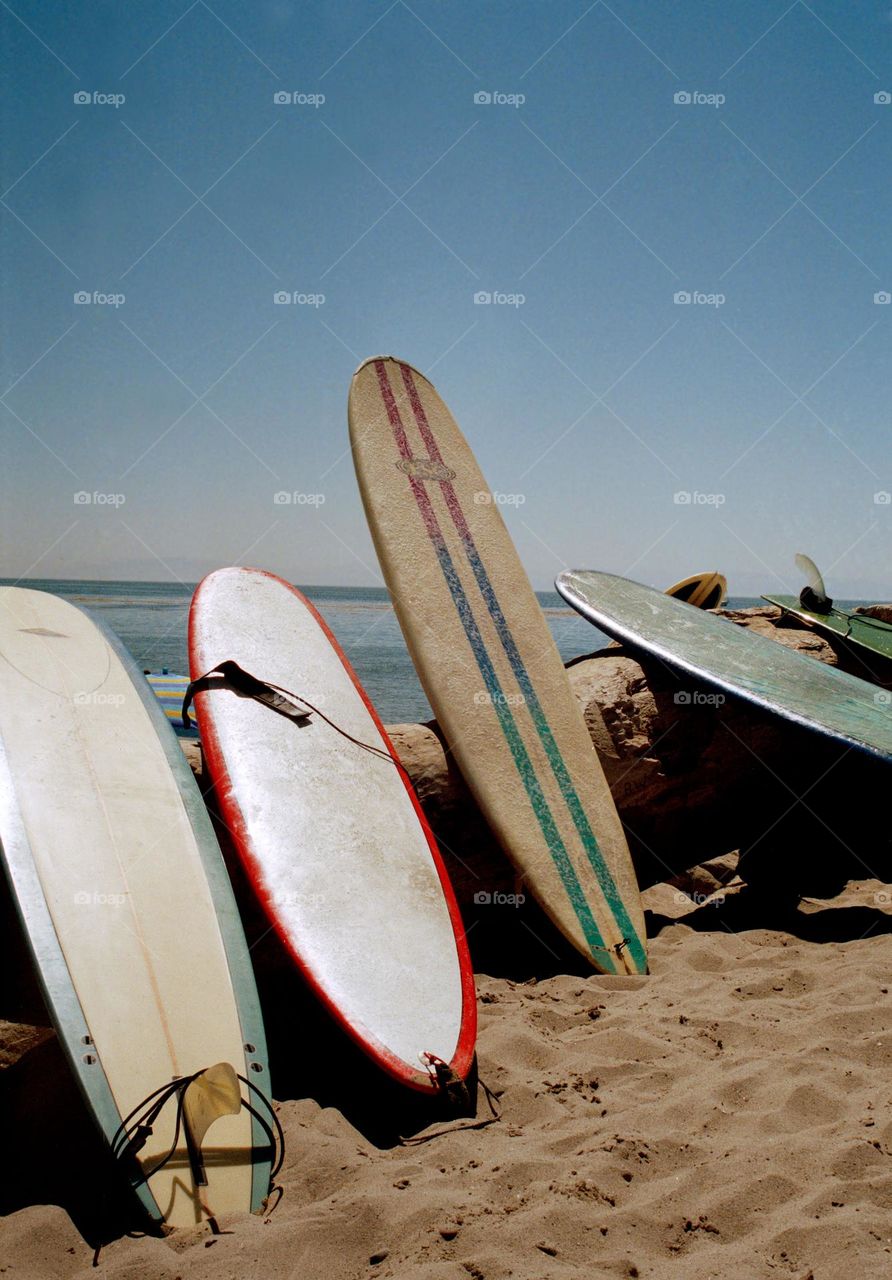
x=558 y=765
x=522 y=761
x=524 y=765
x=543 y=728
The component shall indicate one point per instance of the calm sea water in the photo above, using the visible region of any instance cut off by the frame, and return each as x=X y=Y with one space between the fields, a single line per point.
x=151 y=619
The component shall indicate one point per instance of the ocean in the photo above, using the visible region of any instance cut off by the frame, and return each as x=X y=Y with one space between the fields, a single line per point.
x=151 y=620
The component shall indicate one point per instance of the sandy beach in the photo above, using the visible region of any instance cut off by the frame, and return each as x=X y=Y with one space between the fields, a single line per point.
x=726 y=1115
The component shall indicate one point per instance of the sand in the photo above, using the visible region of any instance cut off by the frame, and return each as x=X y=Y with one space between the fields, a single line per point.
x=726 y=1116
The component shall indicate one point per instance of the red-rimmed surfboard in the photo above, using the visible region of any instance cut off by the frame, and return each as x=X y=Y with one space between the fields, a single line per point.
x=331 y=834
x=488 y=662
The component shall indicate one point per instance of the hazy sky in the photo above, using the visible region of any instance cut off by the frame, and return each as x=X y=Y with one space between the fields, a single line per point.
x=583 y=194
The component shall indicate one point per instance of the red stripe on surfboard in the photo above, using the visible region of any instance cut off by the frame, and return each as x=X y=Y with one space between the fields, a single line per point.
x=237 y=827
x=433 y=449
x=402 y=443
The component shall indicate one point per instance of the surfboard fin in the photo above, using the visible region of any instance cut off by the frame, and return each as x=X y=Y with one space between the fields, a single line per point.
x=213 y=1093
x=813 y=596
x=201 y=1098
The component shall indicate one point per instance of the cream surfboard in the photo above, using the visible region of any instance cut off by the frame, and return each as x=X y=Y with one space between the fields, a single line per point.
x=126 y=905
x=488 y=662
x=329 y=830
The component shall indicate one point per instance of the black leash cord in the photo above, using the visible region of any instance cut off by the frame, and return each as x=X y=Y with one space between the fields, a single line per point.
x=277 y=1143
x=366 y=746
x=134 y=1131
x=245 y=683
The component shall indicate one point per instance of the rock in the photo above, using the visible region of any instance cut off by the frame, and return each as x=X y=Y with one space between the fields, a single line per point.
x=18 y=1038
x=777 y=625
x=710 y=877
x=473 y=857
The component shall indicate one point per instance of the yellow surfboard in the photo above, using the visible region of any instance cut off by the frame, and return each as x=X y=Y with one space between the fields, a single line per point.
x=703 y=590
x=489 y=665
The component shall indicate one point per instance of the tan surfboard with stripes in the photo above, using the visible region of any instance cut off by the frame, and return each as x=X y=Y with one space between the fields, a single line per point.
x=489 y=665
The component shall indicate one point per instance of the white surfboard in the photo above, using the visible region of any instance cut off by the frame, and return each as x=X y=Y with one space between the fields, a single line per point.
x=331 y=834
x=124 y=898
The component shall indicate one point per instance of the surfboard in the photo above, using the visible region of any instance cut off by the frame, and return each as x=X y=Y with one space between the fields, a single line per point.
x=734 y=660
x=125 y=902
x=703 y=590
x=329 y=829
x=170 y=690
x=489 y=665
x=868 y=635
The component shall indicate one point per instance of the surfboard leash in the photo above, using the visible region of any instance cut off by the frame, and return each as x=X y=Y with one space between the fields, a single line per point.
x=135 y=1130
x=283 y=701
x=454 y=1090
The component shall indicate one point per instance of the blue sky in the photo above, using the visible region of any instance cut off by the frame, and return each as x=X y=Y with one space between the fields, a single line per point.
x=627 y=153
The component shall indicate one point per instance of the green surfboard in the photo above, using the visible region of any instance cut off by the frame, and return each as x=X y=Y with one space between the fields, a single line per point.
x=736 y=661
x=868 y=635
